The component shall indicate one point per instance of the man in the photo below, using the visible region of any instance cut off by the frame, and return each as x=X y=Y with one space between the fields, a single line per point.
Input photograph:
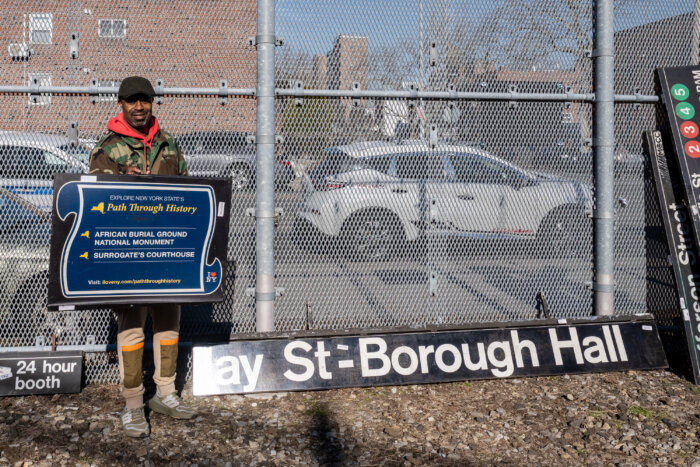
x=136 y=145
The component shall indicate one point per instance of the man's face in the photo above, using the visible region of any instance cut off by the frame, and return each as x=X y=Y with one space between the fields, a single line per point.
x=137 y=111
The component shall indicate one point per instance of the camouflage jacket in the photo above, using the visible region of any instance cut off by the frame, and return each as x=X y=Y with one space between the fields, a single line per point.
x=115 y=152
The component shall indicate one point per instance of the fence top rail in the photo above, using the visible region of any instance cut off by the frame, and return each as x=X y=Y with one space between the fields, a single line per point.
x=98 y=90
x=300 y=93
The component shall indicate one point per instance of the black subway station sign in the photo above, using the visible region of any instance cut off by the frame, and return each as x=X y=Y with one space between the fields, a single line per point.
x=510 y=351
x=23 y=373
x=675 y=160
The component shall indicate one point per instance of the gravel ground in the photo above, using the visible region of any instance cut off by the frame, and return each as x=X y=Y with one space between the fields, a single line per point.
x=642 y=418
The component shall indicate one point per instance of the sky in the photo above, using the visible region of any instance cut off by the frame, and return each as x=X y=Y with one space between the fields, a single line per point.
x=313 y=25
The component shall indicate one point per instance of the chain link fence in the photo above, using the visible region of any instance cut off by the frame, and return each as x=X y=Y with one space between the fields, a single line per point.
x=435 y=164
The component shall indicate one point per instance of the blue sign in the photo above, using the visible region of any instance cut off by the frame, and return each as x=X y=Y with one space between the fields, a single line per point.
x=137 y=242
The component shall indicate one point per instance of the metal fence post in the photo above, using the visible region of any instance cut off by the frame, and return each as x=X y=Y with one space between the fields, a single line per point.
x=604 y=141
x=265 y=187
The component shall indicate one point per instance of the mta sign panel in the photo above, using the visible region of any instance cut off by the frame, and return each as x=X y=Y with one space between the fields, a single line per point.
x=305 y=363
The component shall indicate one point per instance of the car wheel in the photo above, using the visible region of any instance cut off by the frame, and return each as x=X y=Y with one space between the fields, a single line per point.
x=371 y=235
x=241 y=178
x=564 y=233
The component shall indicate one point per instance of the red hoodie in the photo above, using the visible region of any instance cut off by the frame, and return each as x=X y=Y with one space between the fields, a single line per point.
x=119 y=126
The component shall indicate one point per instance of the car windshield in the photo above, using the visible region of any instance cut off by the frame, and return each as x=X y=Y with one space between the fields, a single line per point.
x=340 y=162
x=30 y=162
x=417 y=165
x=475 y=168
x=79 y=152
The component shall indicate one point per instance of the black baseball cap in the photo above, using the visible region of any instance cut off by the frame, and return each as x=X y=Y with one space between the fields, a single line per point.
x=134 y=85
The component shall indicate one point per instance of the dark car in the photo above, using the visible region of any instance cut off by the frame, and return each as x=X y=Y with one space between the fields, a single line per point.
x=29 y=160
x=21 y=221
x=24 y=263
x=227 y=154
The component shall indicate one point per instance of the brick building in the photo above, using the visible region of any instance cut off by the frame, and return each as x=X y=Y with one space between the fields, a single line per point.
x=319 y=73
x=185 y=43
x=348 y=63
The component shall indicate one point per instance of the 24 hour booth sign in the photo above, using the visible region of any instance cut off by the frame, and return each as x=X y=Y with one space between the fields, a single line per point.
x=138 y=239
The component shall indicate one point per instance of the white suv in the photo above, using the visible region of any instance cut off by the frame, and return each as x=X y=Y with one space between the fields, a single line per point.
x=371 y=195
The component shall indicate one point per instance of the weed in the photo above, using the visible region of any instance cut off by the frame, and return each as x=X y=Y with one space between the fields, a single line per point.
x=596 y=413
x=317 y=411
x=364 y=395
x=371 y=393
x=462 y=383
x=694 y=389
x=641 y=411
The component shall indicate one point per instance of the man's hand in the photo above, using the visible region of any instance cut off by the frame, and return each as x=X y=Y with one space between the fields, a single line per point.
x=133 y=170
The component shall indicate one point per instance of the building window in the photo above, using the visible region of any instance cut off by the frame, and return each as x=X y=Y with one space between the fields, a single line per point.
x=40 y=28
x=112 y=28
x=44 y=79
x=111 y=83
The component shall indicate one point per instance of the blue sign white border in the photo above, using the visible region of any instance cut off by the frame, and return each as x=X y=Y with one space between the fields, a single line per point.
x=217 y=248
x=87 y=182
